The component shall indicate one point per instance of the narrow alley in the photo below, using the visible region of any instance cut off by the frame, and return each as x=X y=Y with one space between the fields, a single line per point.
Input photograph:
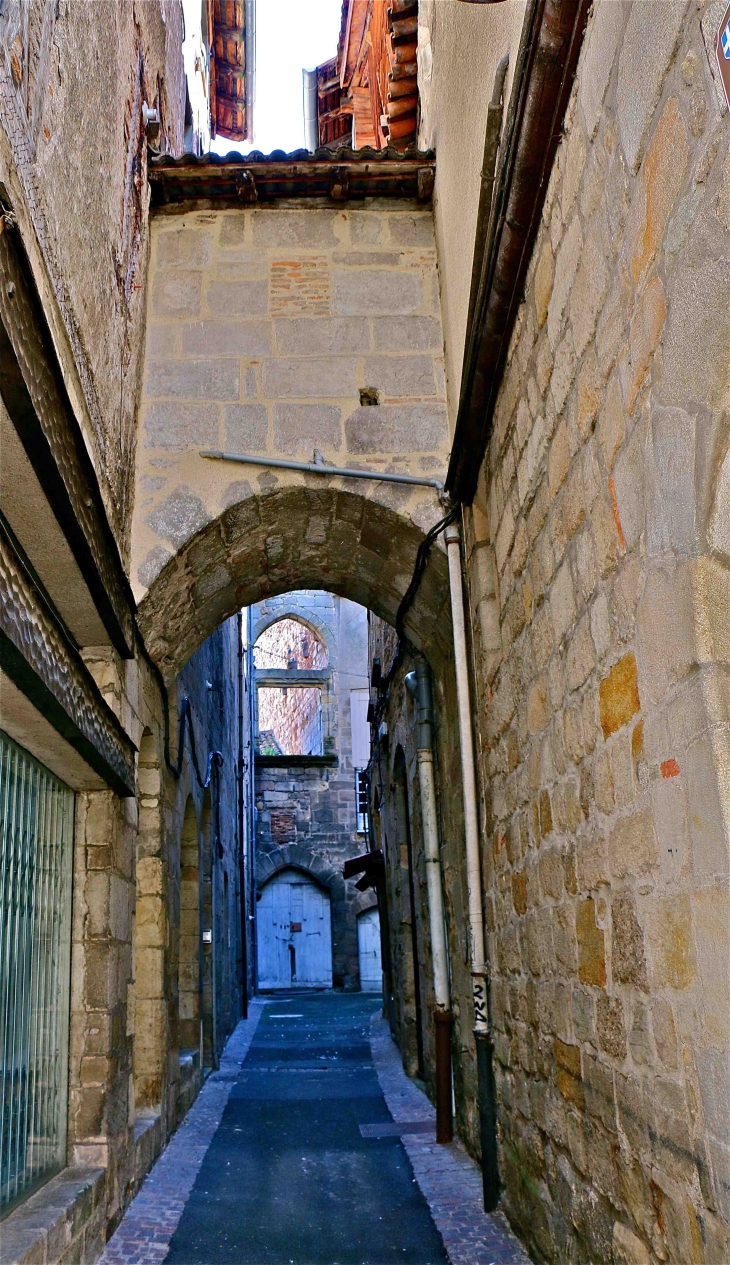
x=364 y=632
x=306 y=1153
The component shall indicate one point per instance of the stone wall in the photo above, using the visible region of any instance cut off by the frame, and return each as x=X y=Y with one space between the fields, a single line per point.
x=124 y=1073
x=599 y=590
x=73 y=73
x=306 y=812
x=263 y=327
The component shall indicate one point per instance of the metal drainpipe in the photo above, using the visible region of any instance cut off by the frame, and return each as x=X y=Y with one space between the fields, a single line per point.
x=482 y=1033
x=419 y=684
x=311 y=120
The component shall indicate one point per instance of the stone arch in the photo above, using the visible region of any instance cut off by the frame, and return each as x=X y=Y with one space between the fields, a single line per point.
x=363 y=902
x=298 y=538
x=293 y=857
x=291 y=608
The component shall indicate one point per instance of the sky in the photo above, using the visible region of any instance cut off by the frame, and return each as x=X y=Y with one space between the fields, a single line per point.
x=291 y=35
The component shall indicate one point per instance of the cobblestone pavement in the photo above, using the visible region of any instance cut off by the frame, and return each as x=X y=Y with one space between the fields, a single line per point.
x=450 y=1180
x=143 y=1236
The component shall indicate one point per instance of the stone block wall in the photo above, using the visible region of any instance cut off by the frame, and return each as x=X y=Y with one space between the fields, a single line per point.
x=263 y=327
x=124 y=1069
x=83 y=210
x=599 y=605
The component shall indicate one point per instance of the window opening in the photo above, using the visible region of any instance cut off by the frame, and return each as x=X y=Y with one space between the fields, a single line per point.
x=36 y=868
x=290 y=719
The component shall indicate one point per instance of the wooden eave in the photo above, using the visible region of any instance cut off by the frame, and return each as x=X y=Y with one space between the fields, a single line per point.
x=233 y=179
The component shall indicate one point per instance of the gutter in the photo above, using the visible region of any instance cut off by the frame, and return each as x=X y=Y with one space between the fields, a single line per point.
x=550 y=47
x=319 y=467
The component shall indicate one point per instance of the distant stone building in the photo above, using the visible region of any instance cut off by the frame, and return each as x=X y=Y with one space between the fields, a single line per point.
x=312 y=750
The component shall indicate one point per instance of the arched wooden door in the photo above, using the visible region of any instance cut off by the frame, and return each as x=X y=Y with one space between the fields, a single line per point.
x=368 y=944
x=294 y=933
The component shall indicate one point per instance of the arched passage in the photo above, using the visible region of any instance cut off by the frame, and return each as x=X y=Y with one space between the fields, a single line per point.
x=297 y=538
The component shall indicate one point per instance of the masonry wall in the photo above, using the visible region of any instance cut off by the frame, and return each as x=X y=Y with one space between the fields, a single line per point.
x=127 y=1086
x=306 y=812
x=263 y=326
x=599 y=590
x=73 y=160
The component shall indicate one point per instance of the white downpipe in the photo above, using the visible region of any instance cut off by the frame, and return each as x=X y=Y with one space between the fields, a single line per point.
x=433 y=878
x=418 y=684
x=468 y=776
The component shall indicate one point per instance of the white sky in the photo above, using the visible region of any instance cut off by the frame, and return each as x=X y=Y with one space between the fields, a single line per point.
x=291 y=35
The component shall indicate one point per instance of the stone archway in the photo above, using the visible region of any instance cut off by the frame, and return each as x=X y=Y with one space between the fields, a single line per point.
x=289 y=606
x=295 y=538
x=293 y=857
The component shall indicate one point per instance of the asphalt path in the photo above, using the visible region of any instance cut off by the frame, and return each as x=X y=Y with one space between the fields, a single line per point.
x=288 y=1178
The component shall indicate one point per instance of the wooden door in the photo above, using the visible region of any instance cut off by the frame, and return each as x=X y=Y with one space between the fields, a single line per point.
x=368 y=944
x=294 y=933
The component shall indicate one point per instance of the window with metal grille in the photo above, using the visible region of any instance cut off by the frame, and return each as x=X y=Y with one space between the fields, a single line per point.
x=361 y=801
x=36 y=855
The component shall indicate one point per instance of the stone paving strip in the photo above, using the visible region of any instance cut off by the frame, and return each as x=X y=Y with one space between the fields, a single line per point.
x=143 y=1236
x=450 y=1180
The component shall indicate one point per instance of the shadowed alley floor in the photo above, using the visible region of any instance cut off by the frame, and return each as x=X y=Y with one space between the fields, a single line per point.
x=288 y=1176
x=305 y=1166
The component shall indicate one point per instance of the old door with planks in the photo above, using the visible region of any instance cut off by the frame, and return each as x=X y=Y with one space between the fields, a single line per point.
x=294 y=933
x=368 y=943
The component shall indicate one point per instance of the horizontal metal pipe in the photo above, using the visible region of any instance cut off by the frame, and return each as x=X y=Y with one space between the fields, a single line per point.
x=314 y=467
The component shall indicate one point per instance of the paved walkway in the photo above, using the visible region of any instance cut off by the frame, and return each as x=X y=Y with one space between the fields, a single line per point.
x=310 y=1146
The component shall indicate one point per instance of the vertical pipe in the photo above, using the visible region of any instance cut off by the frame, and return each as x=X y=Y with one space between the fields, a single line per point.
x=311 y=119
x=243 y=900
x=442 y=1014
x=414 y=926
x=485 y=1048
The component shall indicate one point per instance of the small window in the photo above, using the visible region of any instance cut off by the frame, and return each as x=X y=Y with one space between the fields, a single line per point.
x=361 y=801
